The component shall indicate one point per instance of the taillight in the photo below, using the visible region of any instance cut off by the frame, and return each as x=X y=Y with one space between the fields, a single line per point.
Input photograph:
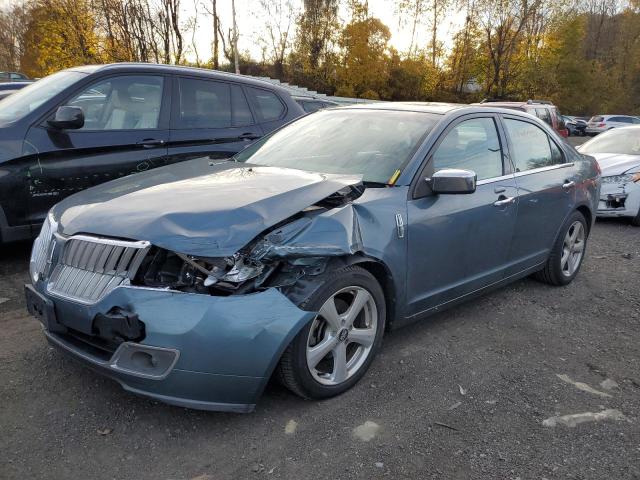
x=601 y=125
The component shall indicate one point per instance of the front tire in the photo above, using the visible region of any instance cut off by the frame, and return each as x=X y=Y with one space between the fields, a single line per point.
x=567 y=253
x=333 y=352
x=635 y=221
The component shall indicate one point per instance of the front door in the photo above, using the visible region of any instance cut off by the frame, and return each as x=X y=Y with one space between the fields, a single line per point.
x=210 y=118
x=546 y=191
x=125 y=132
x=459 y=243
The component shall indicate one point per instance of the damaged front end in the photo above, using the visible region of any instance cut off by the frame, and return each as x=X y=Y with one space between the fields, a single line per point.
x=299 y=246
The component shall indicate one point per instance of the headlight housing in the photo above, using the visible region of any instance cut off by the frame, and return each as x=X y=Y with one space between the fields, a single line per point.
x=41 y=251
x=624 y=178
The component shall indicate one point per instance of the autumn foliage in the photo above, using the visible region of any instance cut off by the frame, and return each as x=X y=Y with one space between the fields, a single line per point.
x=584 y=55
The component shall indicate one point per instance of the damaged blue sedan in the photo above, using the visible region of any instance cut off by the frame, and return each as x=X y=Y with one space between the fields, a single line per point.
x=196 y=283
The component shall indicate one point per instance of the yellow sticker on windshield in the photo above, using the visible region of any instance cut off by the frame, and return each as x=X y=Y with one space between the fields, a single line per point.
x=394 y=177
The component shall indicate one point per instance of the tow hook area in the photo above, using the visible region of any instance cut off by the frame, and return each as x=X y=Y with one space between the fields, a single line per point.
x=118 y=325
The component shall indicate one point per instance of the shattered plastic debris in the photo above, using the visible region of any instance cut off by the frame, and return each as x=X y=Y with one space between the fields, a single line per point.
x=291 y=427
x=576 y=418
x=462 y=390
x=582 y=386
x=367 y=431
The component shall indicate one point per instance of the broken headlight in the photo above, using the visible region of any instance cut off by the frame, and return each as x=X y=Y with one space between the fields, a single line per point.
x=624 y=178
x=166 y=269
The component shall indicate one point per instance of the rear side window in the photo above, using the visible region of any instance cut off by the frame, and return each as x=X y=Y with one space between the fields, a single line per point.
x=471 y=145
x=544 y=115
x=204 y=104
x=268 y=105
x=240 y=112
x=531 y=146
x=597 y=119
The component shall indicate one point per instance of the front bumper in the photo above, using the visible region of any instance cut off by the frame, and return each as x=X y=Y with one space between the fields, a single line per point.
x=224 y=348
x=618 y=200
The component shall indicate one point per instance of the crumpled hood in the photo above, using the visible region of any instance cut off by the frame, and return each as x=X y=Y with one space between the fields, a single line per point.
x=196 y=207
x=615 y=163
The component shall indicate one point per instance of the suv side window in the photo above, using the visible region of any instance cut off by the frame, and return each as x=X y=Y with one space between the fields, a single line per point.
x=211 y=104
x=268 y=105
x=544 y=115
x=130 y=102
x=531 y=146
x=471 y=145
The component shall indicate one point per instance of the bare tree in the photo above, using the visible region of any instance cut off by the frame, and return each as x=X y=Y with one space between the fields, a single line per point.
x=279 y=21
x=212 y=10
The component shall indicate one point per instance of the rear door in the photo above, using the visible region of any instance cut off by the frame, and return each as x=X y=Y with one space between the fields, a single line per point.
x=460 y=243
x=546 y=191
x=210 y=118
x=125 y=131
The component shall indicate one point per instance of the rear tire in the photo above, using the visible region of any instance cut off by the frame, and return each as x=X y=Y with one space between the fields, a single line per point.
x=567 y=253
x=333 y=351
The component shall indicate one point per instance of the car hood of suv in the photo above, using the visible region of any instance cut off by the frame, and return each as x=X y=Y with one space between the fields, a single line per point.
x=615 y=163
x=197 y=207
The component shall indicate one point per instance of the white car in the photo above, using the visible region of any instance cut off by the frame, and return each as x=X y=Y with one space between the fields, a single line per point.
x=618 y=154
x=602 y=123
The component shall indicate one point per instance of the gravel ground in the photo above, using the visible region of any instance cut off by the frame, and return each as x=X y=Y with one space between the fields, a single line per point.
x=469 y=393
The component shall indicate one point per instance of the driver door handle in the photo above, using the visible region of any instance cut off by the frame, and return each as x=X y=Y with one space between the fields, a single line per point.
x=504 y=201
x=568 y=184
x=249 y=136
x=150 y=143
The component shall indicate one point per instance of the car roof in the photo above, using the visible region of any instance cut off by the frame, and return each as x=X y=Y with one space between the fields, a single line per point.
x=176 y=70
x=425 y=107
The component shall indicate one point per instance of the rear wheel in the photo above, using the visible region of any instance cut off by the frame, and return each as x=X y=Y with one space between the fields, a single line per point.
x=335 y=349
x=567 y=253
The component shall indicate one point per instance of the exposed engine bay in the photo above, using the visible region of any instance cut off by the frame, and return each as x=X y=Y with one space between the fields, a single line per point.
x=277 y=258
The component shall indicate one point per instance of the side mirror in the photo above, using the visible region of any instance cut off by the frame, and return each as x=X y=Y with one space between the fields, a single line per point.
x=453 y=181
x=67 y=118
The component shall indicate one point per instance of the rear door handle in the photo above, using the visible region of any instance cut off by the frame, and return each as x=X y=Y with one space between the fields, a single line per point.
x=568 y=184
x=150 y=143
x=504 y=201
x=249 y=136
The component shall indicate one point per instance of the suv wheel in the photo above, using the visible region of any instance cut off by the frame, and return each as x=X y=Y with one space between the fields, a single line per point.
x=567 y=253
x=335 y=349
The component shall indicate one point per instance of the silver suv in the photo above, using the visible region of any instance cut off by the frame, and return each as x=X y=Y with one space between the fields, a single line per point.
x=602 y=123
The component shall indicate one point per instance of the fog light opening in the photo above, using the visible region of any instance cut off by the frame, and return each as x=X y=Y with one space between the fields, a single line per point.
x=143 y=360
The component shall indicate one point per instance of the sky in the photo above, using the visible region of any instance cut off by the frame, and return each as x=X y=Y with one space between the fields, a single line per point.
x=251 y=25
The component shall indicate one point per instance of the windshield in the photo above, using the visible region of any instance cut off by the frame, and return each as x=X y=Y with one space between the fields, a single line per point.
x=373 y=143
x=620 y=141
x=26 y=100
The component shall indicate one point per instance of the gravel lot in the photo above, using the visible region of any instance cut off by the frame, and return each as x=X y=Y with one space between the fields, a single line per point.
x=461 y=395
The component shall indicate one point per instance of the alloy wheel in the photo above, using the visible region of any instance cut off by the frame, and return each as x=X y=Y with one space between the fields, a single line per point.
x=572 y=249
x=342 y=335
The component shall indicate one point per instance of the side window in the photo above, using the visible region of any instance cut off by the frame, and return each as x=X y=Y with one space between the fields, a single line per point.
x=204 y=104
x=544 y=115
x=121 y=103
x=531 y=146
x=240 y=112
x=635 y=120
x=268 y=105
x=471 y=145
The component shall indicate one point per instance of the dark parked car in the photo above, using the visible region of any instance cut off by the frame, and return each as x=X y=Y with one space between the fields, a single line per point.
x=194 y=283
x=543 y=109
x=84 y=126
x=10 y=88
x=575 y=126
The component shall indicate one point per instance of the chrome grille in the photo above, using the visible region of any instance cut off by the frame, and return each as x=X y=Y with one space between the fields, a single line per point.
x=88 y=268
